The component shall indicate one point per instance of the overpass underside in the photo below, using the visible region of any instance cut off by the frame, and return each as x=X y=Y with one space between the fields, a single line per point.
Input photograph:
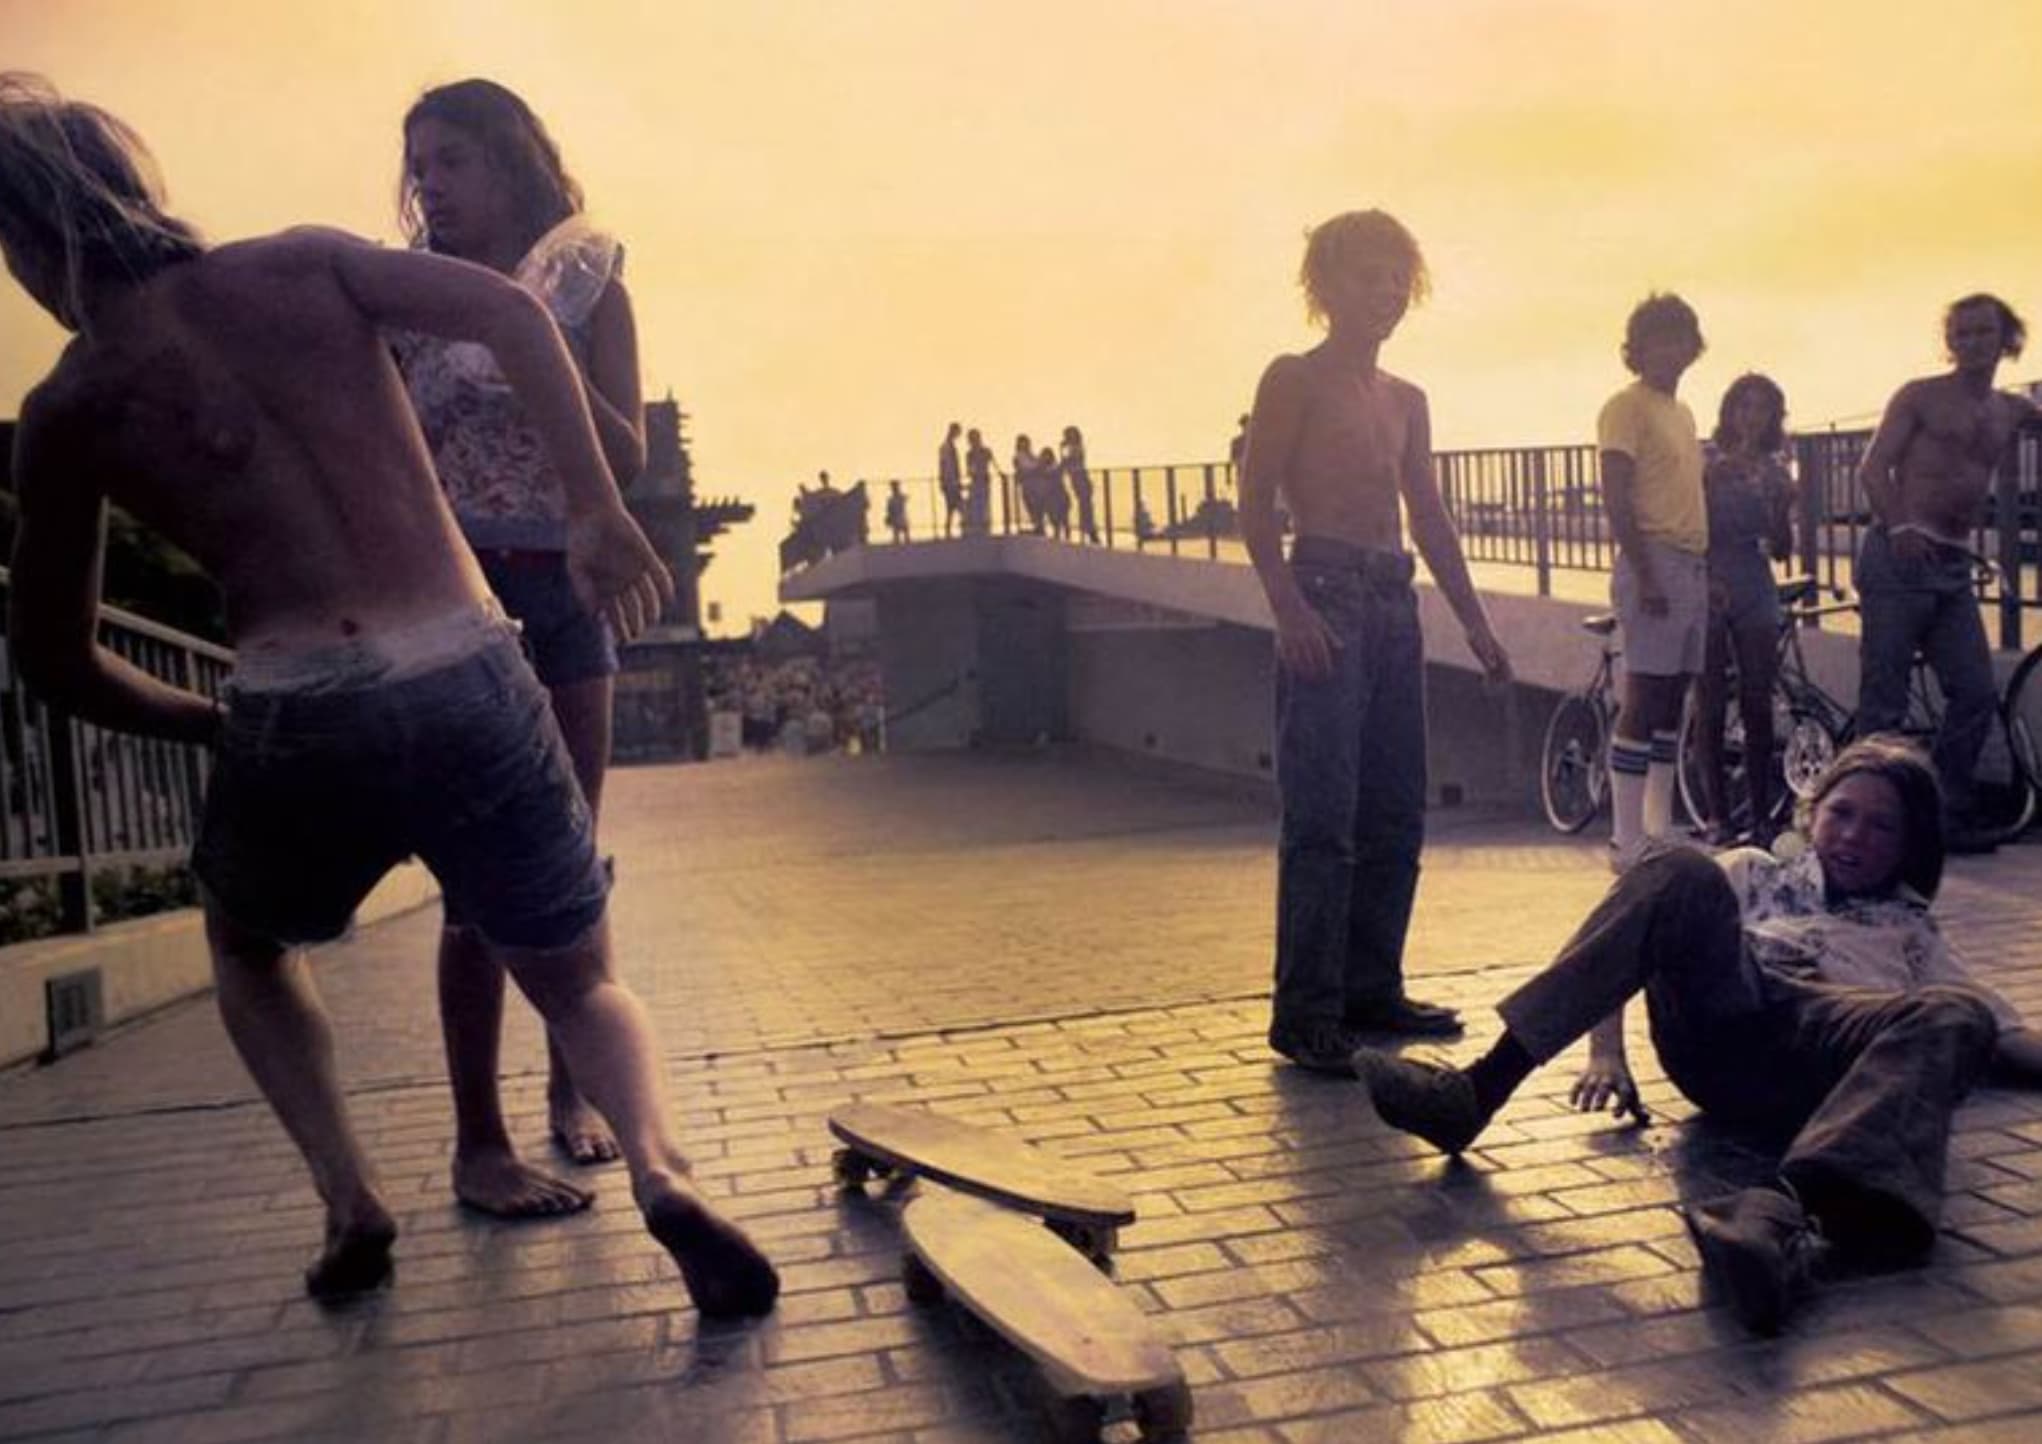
x=1006 y=641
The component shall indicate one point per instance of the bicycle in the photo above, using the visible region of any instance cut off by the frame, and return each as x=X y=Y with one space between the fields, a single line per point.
x=1809 y=725
x=1812 y=725
x=1574 y=759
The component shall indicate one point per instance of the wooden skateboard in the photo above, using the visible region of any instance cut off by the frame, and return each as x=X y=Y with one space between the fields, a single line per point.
x=1094 y=1346
x=882 y=1141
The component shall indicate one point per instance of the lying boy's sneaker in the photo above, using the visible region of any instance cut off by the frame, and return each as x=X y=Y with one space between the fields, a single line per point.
x=1758 y=1245
x=1427 y=1100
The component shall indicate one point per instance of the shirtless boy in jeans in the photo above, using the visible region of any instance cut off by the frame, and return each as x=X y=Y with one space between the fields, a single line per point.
x=1344 y=443
x=242 y=401
x=1927 y=474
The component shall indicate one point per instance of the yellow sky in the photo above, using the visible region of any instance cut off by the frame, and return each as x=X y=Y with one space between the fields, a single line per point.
x=850 y=223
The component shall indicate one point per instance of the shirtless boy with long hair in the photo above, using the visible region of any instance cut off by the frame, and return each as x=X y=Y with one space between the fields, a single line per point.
x=1927 y=474
x=1349 y=449
x=241 y=400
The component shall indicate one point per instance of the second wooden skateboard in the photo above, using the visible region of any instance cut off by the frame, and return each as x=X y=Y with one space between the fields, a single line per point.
x=1095 y=1347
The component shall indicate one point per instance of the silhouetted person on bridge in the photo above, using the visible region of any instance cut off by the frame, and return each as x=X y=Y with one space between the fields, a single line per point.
x=1345 y=443
x=978 y=502
x=244 y=399
x=1079 y=479
x=1928 y=476
x=1056 y=501
x=950 y=480
x=896 y=513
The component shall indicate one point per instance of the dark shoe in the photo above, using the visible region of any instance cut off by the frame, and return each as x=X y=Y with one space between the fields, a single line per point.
x=1407 y=1016
x=1757 y=1245
x=1427 y=1100
x=1317 y=1047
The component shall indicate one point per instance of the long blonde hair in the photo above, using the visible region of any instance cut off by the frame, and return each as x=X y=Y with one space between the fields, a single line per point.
x=80 y=201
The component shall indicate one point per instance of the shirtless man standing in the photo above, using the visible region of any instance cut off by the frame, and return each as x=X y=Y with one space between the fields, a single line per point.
x=242 y=401
x=1927 y=474
x=1342 y=441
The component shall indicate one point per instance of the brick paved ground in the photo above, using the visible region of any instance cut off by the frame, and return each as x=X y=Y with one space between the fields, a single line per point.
x=1046 y=943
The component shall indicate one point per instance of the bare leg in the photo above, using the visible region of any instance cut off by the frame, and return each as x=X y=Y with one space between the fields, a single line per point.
x=488 y=1174
x=281 y=1031
x=583 y=710
x=608 y=1040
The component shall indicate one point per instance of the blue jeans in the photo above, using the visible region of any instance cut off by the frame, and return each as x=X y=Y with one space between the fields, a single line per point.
x=1350 y=768
x=1860 y=1084
x=566 y=642
x=1927 y=607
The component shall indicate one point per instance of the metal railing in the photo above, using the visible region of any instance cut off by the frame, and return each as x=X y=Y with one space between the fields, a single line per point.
x=76 y=799
x=1538 y=507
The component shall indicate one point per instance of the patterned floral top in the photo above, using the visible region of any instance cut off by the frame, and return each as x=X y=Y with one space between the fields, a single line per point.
x=1741 y=495
x=1791 y=923
x=494 y=467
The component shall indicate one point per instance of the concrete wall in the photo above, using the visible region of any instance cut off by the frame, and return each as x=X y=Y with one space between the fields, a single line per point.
x=1170 y=657
x=147 y=963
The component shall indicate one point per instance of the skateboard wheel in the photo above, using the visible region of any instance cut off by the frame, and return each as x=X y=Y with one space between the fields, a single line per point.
x=851 y=1168
x=1164 y=1413
x=1095 y=1244
x=1076 y=1420
x=922 y=1285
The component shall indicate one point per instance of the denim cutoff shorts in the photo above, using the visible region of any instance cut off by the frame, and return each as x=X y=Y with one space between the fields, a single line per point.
x=315 y=795
x=565 y=640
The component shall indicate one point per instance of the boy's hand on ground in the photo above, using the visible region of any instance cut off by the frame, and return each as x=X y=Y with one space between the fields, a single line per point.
x=1304 y=643
x=616 y=572
x=1606 y=1084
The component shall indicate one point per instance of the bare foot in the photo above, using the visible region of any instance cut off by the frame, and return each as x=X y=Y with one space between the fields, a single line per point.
x=726 y=1275
x=357 y=1253
x=580 y=1133
x=495 y=1181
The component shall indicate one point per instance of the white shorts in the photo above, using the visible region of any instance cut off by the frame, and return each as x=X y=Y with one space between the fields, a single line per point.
x=1670 y=645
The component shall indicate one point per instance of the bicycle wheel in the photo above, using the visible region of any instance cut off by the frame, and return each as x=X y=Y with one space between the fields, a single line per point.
x=2021 y=711
x=1572 y=779
x=1691 y=773
x=1808 y=744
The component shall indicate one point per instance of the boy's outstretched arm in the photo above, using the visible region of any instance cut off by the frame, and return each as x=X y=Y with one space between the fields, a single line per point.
x=53 y=597
x=614 y=567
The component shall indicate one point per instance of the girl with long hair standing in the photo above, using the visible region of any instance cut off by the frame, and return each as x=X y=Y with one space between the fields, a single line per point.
x=483 y=182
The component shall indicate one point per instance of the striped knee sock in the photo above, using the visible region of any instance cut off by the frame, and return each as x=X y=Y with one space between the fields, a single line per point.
x=1659 y=779
x=1628 y=761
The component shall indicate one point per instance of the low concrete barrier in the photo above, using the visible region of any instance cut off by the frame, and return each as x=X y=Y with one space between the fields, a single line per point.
x=146 y=963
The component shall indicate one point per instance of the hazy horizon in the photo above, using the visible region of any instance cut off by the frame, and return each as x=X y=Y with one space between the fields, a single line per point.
x=849 y=224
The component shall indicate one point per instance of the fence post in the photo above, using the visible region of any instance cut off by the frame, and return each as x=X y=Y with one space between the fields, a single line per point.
x=67 y=806
x=2006 y=508
x=1170 y=500
x=1812 y=462
x=1542 y=524
x=1212 y=526
x=1106 y=496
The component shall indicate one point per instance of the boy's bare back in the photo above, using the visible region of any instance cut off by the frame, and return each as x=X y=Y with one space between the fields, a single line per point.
x=245 y=405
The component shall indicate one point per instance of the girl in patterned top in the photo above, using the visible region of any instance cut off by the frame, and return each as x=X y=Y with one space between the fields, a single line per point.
x=483 y=181
x=1749 y=499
